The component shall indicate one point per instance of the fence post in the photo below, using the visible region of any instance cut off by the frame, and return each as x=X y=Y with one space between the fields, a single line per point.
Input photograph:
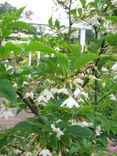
x=83 y=37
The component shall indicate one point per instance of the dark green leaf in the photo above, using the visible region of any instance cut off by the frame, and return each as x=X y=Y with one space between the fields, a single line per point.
x=80 y=131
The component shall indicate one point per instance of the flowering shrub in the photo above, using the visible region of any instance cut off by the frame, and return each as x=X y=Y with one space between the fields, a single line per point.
x=72 y=92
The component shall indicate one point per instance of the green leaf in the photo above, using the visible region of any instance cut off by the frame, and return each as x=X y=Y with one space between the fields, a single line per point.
x=6 y=33
x=112 y=39
x=57 y=24
x=2 y=67
x=113 y=19
x=94 y=46
x=9 y=46
x=20 y=25
x=83 y=3
x=53 y=142
x=63 y=61
x=50 y=22
x=2 y=70
x=19 y=11
x=28 y=127
x=84 y=59
x=3 y=142
x=7 y=91
x=37 y=46
x=80 y=131
x=75 y=50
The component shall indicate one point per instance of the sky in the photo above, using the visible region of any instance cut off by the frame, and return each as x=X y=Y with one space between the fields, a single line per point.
x=42 y=9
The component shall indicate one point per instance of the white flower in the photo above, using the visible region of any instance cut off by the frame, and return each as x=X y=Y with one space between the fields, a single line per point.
x=82 y=123
x=45 y=152
x=103 y=84
x=77 y=92
x=57 y=49
x=113 y=97
x=47 y=93
x=25 y=83
x=85 y=95
x=98 y=130
x=47 y=56
x=104 y=69
x=29 y=76
x=94 y=20
x=29 y=94
x=70 y=102
x=58 y=132
x=115 y=77
x=52 y=55
x=95 y=78
x=114 y=67
x=29 y=154
x=114 y=2
x=111 y=27
x=41 y=99
x=58 y=91
x=17 y=151
x=15 y=85
x=6 y=114
x=80 y=81
x=80 y=100
x=45 y=96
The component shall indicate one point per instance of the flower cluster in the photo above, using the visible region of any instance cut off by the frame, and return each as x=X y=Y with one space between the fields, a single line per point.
x=58 y=132
x=114 y=2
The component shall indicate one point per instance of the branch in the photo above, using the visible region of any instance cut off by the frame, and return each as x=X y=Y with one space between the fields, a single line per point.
x=33 y=109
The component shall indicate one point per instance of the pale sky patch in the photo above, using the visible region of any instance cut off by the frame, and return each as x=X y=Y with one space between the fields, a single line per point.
x=42 y=9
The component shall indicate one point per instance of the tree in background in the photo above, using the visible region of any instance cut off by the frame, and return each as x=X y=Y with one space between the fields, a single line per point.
x=7 y=7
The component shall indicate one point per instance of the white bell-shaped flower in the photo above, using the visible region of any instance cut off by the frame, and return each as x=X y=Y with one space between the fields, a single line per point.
x=114 y=2
x=70 y=102
x=58 y=132
x=114 y=67
x=45 y=152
